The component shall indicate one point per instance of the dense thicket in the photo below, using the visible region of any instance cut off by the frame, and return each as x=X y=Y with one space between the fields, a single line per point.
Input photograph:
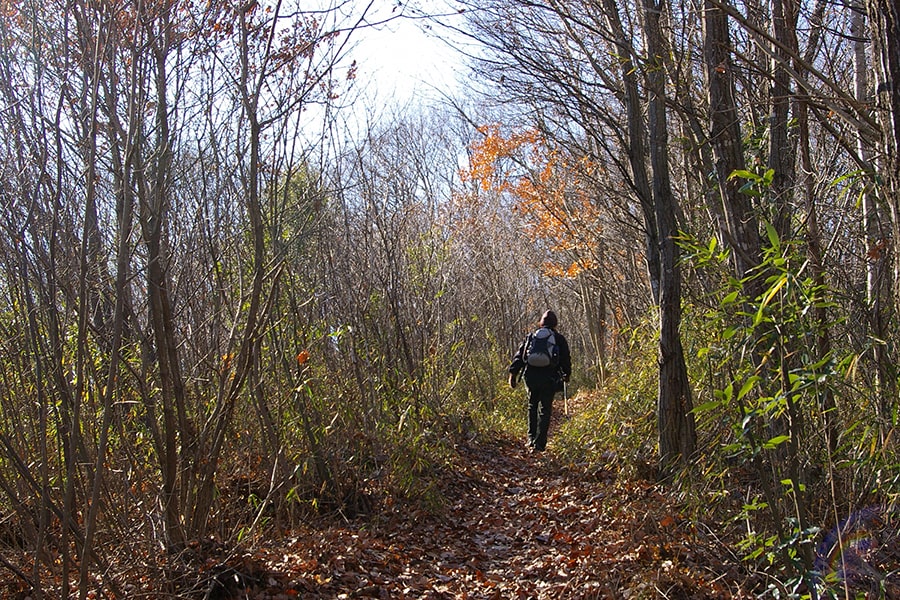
x=218 y=318
x=215 y=319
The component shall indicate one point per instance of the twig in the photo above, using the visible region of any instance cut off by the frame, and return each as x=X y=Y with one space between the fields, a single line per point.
x=18 y=572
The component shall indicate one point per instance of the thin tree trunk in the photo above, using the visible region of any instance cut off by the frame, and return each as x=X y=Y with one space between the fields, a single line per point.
x=884 y=16
x=825 y=397
x=89 y=306
x=781 y=153
x=636 y=146
x=177 y=441
x=677 y=433
x=742 y=233
x=877 y=273
x=249 y=341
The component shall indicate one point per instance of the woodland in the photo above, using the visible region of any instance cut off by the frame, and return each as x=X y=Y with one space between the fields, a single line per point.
x=255 y=331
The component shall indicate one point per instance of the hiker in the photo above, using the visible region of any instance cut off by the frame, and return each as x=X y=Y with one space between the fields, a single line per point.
x=543 y=361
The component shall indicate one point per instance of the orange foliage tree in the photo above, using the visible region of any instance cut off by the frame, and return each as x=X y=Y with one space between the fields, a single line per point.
x=549 y=191
x=553 y=193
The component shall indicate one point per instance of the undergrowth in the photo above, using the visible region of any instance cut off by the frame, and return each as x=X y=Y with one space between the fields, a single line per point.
x=613 y=424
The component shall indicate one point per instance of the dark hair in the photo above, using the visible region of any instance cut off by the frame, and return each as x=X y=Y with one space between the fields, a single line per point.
x=548 y=319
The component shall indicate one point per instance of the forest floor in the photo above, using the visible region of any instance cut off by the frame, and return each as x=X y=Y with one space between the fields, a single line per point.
x=517 y=525
x=511 y=525
x=514 y=525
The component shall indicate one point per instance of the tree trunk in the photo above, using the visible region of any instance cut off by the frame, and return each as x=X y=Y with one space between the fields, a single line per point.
x=781 y=154
x=636 y=147
x=249 y=339
x=153 y=214
x=594 y=306
x=742 y=233
x=884 y=16
x=677 y=433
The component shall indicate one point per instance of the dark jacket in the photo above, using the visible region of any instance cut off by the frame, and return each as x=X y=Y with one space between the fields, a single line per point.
x=562 y=370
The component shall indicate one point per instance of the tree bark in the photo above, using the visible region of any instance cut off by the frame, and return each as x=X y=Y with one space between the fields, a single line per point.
x=636 y=148
x=742 y=233
x=676 y=428
x=781 y=153
x=884 y=16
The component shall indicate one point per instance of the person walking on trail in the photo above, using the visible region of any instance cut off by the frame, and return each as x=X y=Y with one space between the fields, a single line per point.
x=544 y=363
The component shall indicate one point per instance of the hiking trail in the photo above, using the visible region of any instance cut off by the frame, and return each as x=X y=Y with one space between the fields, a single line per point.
x=515 y=525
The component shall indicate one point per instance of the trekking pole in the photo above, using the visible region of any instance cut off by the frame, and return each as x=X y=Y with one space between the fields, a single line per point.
x=565 y=397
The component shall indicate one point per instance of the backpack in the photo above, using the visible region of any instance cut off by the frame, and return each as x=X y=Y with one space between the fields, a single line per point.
x=541 y=350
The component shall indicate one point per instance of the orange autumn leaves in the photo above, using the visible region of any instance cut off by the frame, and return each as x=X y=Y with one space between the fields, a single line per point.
x=549 y=194
x=486 y=156
x=302 y=357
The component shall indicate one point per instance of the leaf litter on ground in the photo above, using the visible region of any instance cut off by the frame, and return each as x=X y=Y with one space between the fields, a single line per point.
x=515 y=525
x=512 y=525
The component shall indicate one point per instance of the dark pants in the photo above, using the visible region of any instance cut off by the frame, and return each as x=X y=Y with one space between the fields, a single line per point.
x=541 y=389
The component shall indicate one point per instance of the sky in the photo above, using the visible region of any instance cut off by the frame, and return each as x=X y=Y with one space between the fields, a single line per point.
x=399 y=61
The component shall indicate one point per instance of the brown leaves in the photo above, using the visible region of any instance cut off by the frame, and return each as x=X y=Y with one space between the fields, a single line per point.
x=877 y=250
x=515 y=526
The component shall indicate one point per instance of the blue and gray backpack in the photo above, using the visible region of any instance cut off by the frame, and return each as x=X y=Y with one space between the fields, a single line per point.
x=541 y=349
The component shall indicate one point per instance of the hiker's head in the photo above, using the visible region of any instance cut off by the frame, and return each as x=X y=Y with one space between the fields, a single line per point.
x=548 y=319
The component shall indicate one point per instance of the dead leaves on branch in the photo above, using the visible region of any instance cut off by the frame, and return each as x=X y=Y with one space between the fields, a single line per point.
x=550 y=194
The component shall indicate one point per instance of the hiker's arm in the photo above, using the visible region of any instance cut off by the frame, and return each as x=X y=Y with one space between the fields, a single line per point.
x=518 y=361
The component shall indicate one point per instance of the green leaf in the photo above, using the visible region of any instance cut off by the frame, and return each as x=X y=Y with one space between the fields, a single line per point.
x=748 y=189
x=730 y=298
x=775 y=442
x=782 y=281
x=748 y=385
x=706 y=407
x=773 y=236
x=843 y=178
x=728 y=392
x=743 y=174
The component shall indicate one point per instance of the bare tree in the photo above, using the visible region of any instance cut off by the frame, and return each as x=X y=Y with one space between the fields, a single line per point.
x=884 y=18
x=677 y=434
x=124 y=137
x=726 y=137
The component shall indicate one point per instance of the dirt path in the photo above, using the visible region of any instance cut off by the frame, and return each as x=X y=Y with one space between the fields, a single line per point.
x=516 y=526
x=512 y=525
